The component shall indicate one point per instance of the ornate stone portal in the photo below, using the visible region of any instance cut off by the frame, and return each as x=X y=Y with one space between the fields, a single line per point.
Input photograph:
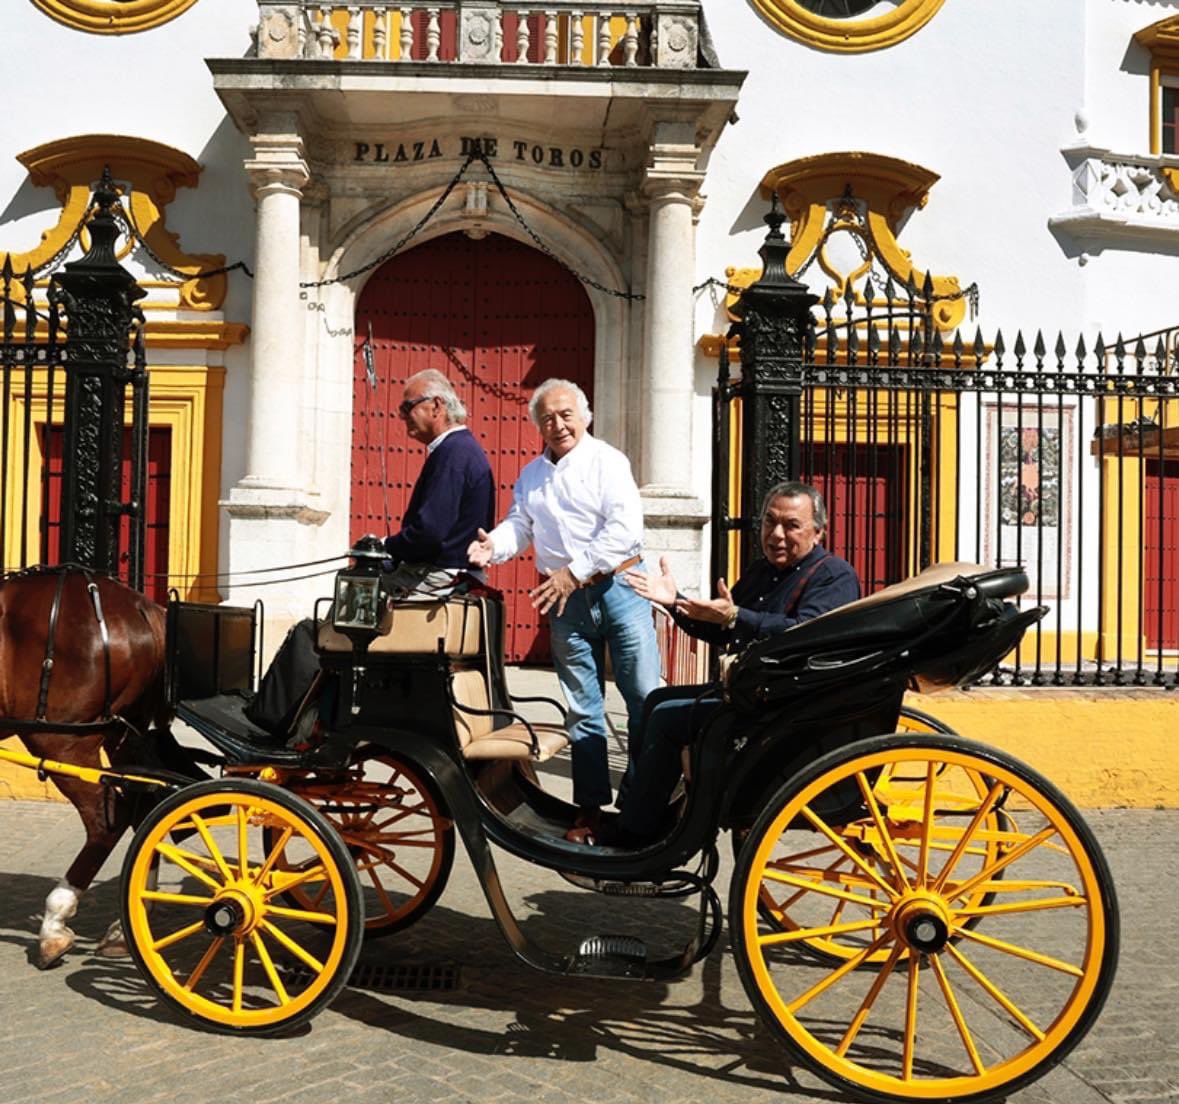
x=601 y=162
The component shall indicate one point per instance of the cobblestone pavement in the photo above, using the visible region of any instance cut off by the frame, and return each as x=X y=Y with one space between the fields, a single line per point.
x=90 y=1028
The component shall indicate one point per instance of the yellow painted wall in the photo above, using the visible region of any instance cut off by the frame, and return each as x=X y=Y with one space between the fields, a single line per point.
x=1104 y=748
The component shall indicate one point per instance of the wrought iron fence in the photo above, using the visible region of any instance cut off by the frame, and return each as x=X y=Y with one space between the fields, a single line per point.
x=1059 y=456
x=74 y=409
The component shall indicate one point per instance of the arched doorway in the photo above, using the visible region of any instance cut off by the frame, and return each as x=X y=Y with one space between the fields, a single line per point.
x=497 y=317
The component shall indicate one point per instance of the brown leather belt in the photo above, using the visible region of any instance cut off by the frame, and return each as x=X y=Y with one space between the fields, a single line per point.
x=602 y=576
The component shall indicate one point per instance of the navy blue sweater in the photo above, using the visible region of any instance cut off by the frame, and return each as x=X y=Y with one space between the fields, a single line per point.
x=764 y=592
x=453 y=497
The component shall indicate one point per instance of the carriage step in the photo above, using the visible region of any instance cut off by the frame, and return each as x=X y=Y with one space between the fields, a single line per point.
x=615 y=956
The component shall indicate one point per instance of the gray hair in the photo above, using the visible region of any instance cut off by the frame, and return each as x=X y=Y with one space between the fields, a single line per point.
x=439 y=387
x=583 y=406
x=792 y=488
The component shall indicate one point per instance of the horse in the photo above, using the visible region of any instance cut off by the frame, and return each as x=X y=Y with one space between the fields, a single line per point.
x=81 y=673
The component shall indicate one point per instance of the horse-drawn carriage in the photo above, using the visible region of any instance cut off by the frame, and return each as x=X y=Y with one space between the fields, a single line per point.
x=913 y=915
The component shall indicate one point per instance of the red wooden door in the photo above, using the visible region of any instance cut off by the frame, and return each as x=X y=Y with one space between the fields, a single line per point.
x=1160 y=519
x=863 y=487
x=497 y=318
x=159 y=491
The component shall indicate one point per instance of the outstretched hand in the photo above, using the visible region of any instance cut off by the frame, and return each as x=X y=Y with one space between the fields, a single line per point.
x=717 y=611
x=480 y=550
x=660 y=589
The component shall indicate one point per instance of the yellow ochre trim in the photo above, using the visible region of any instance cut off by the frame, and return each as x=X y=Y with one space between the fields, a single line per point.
x=71 y=166
x=113 y=16
x=1162 y=40
x=848 y=36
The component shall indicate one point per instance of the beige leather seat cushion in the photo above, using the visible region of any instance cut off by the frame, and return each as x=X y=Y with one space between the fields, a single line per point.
x=479 y=737
x=417 y=627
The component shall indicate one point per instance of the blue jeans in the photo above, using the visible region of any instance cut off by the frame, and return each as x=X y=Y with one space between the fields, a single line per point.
x=608 y=614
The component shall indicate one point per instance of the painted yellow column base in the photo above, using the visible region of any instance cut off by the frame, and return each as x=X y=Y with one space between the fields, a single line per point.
x=1109 y=748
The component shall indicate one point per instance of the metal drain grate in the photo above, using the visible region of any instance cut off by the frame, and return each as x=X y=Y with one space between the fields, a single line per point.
x=403 y=978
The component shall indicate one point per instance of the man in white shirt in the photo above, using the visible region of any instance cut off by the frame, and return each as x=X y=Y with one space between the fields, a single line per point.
x=578 y=505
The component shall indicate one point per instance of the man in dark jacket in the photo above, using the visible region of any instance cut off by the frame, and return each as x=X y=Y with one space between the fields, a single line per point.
x=454 y=496
x=452 y=500
x=796 y=579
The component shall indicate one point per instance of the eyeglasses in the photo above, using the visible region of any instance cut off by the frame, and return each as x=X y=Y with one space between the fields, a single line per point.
x=409 y=404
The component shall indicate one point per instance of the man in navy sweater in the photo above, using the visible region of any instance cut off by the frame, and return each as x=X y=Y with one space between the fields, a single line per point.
x=452 y=500
x=454 y=496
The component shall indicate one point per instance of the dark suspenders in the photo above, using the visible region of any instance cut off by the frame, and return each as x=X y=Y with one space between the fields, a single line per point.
x=796 y=597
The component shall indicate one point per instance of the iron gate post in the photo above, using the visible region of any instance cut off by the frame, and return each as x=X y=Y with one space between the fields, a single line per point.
x=97 y=296
x=776 y=330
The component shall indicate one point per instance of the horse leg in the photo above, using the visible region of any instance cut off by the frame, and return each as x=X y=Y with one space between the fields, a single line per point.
x=104 y=827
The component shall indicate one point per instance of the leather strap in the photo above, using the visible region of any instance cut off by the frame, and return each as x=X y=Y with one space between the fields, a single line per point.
x=796 y=597
x=47 y=662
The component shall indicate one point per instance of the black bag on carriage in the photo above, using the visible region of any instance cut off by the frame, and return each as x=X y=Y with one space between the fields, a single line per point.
x=287 y=681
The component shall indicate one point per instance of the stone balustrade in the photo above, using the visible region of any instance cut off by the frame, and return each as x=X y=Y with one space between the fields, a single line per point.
x=1121 y=196
x=656 y=33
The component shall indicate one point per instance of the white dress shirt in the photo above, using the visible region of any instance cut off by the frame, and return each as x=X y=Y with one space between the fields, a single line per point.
x=582 y=512
x=442 y=437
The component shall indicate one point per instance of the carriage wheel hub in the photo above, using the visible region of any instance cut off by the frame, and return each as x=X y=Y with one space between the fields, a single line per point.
x=231 y=913
x=922 y=922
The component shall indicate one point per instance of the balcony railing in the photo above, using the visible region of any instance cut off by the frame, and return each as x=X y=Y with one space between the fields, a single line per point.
x=657 y=33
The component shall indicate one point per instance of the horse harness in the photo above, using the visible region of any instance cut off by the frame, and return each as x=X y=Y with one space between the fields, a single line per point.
x=41 y=722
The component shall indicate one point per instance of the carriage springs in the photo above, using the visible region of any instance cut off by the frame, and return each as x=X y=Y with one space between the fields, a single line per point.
x=431 y=149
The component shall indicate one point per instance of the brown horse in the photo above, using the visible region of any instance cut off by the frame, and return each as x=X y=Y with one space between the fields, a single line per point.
x=56 y=668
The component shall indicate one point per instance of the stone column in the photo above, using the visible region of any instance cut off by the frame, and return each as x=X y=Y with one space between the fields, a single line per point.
x=670 y=187
x=278 y=174
x=268 y=509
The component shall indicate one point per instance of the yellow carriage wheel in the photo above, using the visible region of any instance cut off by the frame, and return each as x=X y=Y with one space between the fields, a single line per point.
x=824 y=860
x=395 y=825
x=203 y=910
x=978 y=969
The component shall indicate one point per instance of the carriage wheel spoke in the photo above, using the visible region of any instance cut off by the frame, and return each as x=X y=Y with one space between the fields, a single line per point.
x=302 y=914
x=926 y=830
x=911 y=1008
x=291 y=879
x=974 y=825
x=239 y=969
x=1024 y=953
x=175 y=898
x=988 y=873
x=275 y=852
x=846 y=968
x=178 y=935
x=243 y=845
x=996 y=993
x=268 y=965
x=856 y=860
x=296 y=949
x=198 y=971
x=1025 y=906
x=826 y=891
x=939 y=971
x=211 y=844
x=882 y=828
x=382 y=893
x=853 y=1029
x=181 y=859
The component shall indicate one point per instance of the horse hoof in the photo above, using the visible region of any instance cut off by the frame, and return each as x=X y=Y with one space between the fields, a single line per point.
x=53 y=949
x=113 y=944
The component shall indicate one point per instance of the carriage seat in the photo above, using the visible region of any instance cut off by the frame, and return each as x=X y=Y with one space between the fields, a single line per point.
x=478 y=735
x=454 y=627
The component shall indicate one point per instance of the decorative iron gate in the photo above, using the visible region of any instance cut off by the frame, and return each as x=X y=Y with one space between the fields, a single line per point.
x=1058 y=455
x=73 y=356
